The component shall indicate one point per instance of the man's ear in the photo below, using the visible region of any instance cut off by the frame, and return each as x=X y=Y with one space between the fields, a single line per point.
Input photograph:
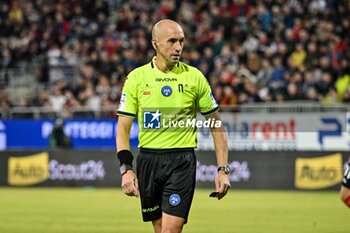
x=154 y=44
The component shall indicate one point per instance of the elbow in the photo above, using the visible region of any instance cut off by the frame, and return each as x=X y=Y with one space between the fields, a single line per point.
x=346 y=201
x=345 y=196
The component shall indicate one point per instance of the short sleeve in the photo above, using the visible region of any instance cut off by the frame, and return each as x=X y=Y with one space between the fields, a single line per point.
x=206 y=102
x=128 y=100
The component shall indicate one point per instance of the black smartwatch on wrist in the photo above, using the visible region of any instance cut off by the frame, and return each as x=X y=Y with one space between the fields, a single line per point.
x=225 y=169
x=124 y=168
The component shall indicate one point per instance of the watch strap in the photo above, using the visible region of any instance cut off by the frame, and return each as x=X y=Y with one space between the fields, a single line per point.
x=124 y=168
x=225 y=169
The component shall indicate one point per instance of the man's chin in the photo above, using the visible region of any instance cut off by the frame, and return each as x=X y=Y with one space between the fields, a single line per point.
x=175 y=60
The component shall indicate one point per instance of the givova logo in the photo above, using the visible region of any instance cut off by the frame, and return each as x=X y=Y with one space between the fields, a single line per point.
x=318 y=173
x=151 y=120
x=28 y=170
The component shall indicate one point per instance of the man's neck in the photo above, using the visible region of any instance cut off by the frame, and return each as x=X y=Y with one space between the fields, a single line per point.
x=162 y=66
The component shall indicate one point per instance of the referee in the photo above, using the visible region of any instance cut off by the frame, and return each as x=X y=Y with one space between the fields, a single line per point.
x=165 y=95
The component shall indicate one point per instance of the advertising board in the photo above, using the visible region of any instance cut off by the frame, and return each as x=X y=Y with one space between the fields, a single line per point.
x=307 y=170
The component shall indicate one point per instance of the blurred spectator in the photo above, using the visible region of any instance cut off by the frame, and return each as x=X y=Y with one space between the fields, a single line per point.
x=312 y=95
x=291 y=50
x=57 y=99
x=325 y=84
x=228 y=98
x=5 y=102
x=276 y=82
x=41 y=100
x=57 y=137
x=264 y=74
x=293 y=93
x=6 y=59
x=298 y=56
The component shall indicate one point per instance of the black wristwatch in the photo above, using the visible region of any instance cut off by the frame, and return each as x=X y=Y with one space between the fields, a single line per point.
x=225 y=169
x=124 y=168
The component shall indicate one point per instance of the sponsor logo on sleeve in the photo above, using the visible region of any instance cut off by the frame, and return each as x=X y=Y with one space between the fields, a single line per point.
x=122 y=101
x=213 y=102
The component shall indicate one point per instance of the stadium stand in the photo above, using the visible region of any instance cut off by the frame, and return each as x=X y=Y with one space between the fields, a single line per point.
x=71 y=57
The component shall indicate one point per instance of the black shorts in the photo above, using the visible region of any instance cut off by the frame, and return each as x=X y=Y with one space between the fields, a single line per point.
x=166 y=182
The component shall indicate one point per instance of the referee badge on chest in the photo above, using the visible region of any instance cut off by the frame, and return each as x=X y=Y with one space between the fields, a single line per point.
x=167 y=91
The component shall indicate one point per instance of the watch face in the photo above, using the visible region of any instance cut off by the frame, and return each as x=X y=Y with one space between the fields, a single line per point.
x=227 y=169
x=122 y=169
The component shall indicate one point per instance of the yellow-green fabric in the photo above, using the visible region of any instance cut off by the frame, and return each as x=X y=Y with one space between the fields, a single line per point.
x=159 y=99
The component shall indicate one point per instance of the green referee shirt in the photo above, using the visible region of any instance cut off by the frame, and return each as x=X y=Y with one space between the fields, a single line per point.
x=166 y=104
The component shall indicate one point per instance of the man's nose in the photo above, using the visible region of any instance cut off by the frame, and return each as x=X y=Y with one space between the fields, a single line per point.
x=178 y=46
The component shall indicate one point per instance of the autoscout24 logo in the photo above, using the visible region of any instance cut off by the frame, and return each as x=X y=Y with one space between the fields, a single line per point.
x=37 y=168
x=157 y=119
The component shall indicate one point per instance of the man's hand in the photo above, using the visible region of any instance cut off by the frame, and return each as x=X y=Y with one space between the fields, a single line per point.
x=222 y=184
x=130 y=184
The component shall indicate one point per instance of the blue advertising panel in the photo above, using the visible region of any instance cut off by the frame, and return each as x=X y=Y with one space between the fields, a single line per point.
x=34 y=134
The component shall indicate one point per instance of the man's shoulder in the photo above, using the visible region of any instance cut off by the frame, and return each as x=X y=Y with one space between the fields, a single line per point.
x=140 y=71
x=186 y=67
x=194 y=72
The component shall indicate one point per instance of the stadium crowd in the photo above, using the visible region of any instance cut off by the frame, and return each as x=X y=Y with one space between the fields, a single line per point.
x=250 y=51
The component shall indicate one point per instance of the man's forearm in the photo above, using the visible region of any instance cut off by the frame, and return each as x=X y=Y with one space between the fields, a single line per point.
x=123 y=133
x=220 y=142
x=221 y=149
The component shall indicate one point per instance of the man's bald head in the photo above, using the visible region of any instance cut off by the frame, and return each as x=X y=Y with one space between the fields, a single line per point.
x=162 y=26
x=168 y=41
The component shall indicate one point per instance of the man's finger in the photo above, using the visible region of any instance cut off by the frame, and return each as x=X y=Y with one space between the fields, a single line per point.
x=128 y=189
x=217 y=186
x=227 y=187
x=125 y=189
x=127 y=192
x=136 y=187
x=222 y=188
x=221 y=195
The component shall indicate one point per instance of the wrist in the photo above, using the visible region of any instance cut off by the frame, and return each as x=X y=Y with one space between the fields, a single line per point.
x=125 y=158
x=124 y=168
x=224 y=169
x=222 y=173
